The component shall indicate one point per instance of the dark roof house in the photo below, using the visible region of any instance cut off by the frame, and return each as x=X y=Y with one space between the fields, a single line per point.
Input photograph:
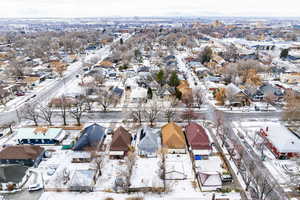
x=121 y=140
x=28 y=155
x=92 y=136
x=197 y=137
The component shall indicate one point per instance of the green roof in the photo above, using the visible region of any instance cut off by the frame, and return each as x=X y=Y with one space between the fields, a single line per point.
x=28 y=133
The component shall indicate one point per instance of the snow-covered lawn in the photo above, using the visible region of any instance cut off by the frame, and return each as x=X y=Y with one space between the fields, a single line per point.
x=179 y=166
x=61 y=160
x=146 y=173
x=110 y=171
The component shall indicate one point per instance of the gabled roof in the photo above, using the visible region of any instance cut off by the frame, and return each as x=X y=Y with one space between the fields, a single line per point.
x=149 y=140
x=91 y=137
x=121 y=140
x=173 y=136
x=118 y=91
x=105 y=63
x=233 y=89
x=210 y=179
x=197 y=137
x=21 y=152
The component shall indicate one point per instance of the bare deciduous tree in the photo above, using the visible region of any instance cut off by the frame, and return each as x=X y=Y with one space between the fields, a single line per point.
x=16 y=68
x=138 y=114
x=106 y=99
x=29 y=112
x=46 y=113
x=63 y=106
x=170 y=114
x=76 y=111
x=189 y=114
x=130 y=161
x=292 y=108
x=198 y=97
x=152 y=113
x=262 y=188
x=9 y=125
x=269 y=98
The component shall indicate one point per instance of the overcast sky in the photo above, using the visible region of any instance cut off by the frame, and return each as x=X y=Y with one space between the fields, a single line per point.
x=99 y=8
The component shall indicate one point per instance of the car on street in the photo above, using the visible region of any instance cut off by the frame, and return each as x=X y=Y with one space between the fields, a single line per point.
x=35 y=187
x=20 y=93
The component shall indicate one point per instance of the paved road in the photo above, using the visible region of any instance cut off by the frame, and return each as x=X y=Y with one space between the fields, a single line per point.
x=49 y=92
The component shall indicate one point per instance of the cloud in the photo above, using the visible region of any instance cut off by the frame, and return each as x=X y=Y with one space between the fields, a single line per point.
x=94 y=8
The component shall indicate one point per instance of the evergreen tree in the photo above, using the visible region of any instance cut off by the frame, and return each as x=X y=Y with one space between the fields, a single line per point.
x=206 y=55
x=178 y=94
x=149 y=93
x=284 y=53
x=160 y=77
x=174 y=80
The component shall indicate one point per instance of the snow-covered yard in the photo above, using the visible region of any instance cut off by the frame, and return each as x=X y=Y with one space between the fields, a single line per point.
x=179 y=173
x=146 y=173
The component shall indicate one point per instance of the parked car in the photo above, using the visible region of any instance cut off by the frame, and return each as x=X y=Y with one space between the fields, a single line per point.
x=35 y=187
x=20 y=93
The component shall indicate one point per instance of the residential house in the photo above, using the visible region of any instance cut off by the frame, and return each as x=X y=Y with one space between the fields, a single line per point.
x=268 y=89
x=218 y=60
x=149 y=141
x=32 y=81
x=92 y=137
x=198 y=140
x=40 y=135
x=4 y=96
x=185 y=89
x=173 y=138
x=209 y=173
x=138 y=94
x=57 y=102
x=120 y=145
x=170 y=61
x=235 y=96
x=290 y=78
x=195 y=64
x=104 y=64
x=164 y=92
x=280 y=140
x=209 y=181
x=27 y=155
x=118 y=92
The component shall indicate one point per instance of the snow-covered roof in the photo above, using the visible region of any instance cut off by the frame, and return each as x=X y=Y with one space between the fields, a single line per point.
x=34 y=133
x=131 y=82
x=139 y=93
x=282 y=138
x=210 y=179
x=233 y=89
x=149 y=140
